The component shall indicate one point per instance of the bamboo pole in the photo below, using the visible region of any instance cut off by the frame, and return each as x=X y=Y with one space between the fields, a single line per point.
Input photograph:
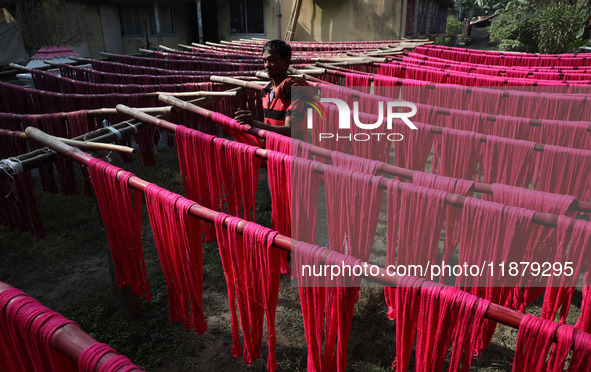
x=249 y=84
x=332 y=66
x=308 y=77
x=240 y=83
x=202 y=46
x=146 y=51
x=80 y=59
x=81 y=144
x=578 y=205
x=113 y=55
x=200 y=93
x=70 y=339
x=165 y=110
x=375 y=56
x=39 y=157
x=8 y=72
x=216 y=45
x=189 y=47
x=167 y=49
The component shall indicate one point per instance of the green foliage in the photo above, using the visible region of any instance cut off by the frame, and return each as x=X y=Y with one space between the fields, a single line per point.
x=515 y=30
x=527 y=27
x=512 y=46
x=453 y=29
x=506 y=26
x=473 y=8
x=560 y=25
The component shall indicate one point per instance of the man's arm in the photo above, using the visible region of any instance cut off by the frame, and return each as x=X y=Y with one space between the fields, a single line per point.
x=284 y=130
x=244 y=117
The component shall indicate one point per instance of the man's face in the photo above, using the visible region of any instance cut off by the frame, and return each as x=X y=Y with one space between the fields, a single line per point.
x=274 y=64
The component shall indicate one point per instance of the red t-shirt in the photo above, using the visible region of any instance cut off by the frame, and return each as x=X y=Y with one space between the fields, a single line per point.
x=281 y=105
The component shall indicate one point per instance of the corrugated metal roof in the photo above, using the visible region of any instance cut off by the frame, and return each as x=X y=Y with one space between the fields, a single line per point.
x=53 y=52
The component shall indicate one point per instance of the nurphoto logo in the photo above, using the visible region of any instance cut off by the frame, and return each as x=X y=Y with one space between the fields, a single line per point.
x=368 y=122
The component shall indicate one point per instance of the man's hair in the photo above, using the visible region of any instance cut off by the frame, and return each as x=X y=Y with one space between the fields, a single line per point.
x=281 y=47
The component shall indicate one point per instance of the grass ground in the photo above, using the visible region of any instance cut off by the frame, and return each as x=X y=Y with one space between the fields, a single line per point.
x=68 y=272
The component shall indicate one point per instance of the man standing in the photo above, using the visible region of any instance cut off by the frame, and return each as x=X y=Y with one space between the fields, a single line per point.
x=282 y=113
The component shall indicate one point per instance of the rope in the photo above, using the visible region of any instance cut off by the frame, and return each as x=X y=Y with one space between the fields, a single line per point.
x=14 y=164
x=16 y=168
x=131 y=125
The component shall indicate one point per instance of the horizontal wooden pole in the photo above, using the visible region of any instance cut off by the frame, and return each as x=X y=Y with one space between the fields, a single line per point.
x=82 y=144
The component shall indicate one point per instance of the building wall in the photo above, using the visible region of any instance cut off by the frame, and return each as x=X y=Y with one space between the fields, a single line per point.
x=94 y=34
x=270 y=21
x=179 y=10
x=326 y=20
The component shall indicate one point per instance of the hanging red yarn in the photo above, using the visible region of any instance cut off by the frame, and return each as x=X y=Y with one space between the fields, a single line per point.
x=304 y=206
x=417 y=242
x=239 y=177
x=406 y=305
x=123 y=224
x=541 y=245
x=565 y=171
x=457 y=154
x=565 y=339
x=581 y=358
x=235 y=129
x=313 y=293
x=452 y=214
x=534 y=340
x=357 y=194
x=18 y=208
x=54 y=126
x=251 y=259
x=287 y=145
x=560 y=290
x=179 y=241
x=500 y=232
x=508 y=161
x=199 y=171
x=355 y=163
x=279 y=173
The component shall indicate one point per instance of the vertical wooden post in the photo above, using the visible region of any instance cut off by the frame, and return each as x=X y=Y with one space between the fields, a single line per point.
x=199 y=20
x=293 y=20
x=157 y=20
x=146 y=30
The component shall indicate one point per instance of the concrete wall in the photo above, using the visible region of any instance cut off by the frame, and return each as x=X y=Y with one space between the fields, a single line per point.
x=329 y=20
x=179 y=11
x=325 y=20
x=94 y=34
x=270 y=21
x=96 y=42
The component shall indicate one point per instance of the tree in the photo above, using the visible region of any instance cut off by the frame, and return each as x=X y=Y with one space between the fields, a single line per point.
x=540 y=26
x=474 y=8
x=559 y=26
x=50 y=22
